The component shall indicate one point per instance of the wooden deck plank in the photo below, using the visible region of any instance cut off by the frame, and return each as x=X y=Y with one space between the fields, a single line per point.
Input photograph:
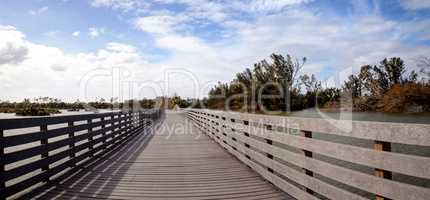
x=177 y=163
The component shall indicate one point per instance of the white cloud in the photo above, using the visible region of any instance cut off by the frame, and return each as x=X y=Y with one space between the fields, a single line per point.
x=43 y=67
x=76 y=33
x=182 y=43
x=421 y=28
x=415 y=4
x=39 y=11
x=161 y=24
x=13 y=47
x=58 y=67
x=119 y=4
x=119 y=47
x=220 y=11
x=95 y=32
x=269 y=5
x=211 y=10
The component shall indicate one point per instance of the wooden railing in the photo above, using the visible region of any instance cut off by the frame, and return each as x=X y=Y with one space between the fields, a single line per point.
x=309 y=158
x=40 y=150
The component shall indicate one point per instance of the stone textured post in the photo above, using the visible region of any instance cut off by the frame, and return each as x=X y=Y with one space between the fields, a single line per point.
x=382 y=146
x=308 y=134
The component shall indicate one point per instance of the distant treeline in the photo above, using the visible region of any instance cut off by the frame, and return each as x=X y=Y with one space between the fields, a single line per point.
x=52 y=103
x=389 y=87
x=46 y=105
x=47 y=102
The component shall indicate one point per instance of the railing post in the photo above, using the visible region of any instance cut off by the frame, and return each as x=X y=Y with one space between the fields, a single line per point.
x=112 y=133
x=268 y=141
x=90 y=137
x=124 y=126
x=44 y=143
x=2 y=168
x=104 y=132
x=382 y=146
x=72 y=144
x=121 y=124
x=132 y=120
x=141 y=122
x=127 y=124
x=308 y=134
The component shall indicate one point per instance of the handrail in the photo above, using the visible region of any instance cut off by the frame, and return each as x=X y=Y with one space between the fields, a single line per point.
x=286 y=152
x=64 y=144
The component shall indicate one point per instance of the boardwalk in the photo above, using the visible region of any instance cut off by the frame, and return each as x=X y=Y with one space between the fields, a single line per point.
x=182 y=165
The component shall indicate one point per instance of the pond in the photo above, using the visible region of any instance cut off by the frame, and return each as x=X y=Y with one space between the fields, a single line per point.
x=420 y=118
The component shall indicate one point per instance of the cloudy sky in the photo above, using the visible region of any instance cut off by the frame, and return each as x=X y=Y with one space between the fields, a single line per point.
x=86 y=49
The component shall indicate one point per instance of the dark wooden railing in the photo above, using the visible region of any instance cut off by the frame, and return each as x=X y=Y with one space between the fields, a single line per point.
x=40 y=150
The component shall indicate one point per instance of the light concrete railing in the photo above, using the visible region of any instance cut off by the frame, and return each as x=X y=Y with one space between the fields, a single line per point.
x=311 y=158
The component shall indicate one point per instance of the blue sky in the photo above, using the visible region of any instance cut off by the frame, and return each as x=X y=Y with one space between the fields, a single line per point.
x=46 y=46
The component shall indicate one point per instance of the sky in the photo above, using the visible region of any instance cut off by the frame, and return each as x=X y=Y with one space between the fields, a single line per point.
x=90 y=49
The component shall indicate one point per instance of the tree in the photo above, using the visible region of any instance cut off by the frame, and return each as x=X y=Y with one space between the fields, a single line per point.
x=367 y=79
x=424 y=64
x=310 y=82
x=330 y=94
x=244 y=84
x=312 y=86
x=178 y=101
x=394 y=69
x=283 y=72
x=277 y=78
x=353 y=86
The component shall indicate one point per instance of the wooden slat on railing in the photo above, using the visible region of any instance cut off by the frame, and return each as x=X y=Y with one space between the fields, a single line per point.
x=19 y=164
x=258 y=141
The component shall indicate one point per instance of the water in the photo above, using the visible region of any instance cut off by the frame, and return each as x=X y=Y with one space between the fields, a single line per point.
x=420 y=118
x=63 y=112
